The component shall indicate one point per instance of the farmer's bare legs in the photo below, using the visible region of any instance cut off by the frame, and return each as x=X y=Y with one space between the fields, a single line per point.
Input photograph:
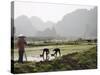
x=47 y=55
x=59 y=53
x=45 y=51
x=55 y=54
x=43 y=54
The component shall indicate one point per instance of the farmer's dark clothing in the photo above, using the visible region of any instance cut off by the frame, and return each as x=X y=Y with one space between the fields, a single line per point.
x=21 y=48
x=56 y=51
x=45 y=50
x=21 y=53
x=21 y=43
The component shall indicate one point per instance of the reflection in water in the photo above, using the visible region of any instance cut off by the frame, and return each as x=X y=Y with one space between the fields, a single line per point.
x=33 y=58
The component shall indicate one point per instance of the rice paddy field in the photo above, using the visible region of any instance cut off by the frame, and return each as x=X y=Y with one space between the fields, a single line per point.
x=33 y=53
x=74 y=57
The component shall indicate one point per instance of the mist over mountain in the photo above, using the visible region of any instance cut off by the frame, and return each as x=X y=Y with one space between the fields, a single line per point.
x=79 y=23
x=47 y=29
x=24 y=26
x=30 y=27
x=36 y=21
x=39 y=24
x=47 y=33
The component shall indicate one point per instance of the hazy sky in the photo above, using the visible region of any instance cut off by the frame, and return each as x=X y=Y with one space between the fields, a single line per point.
x=47 y=12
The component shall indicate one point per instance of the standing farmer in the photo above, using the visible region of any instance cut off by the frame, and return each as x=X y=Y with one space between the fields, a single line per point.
x=21 y=47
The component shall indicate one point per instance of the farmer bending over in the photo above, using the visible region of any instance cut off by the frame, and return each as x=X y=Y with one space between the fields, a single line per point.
x=21 y=47
x=45 y=51
x=56 y=51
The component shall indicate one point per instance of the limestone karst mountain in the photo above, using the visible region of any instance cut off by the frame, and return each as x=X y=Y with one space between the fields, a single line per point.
x=24 y=26
x=79 y=23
